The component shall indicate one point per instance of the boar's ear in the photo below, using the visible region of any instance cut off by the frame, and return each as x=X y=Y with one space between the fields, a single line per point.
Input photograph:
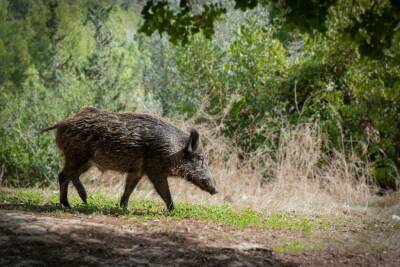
x=193 y=143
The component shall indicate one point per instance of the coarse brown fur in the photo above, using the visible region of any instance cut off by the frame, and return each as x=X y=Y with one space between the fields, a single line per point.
x=138 y=144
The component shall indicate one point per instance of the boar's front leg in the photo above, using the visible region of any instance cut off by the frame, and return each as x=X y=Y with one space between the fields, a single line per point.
x=132 y=180
x=161 y=185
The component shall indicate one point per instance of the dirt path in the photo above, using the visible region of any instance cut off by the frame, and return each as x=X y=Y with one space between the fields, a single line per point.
x=38 y=240
x=28 y=239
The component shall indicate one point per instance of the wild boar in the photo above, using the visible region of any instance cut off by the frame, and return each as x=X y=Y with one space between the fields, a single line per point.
x=134 y=143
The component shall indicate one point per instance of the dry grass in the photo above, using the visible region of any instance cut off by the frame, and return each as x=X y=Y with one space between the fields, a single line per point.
x=302 y=179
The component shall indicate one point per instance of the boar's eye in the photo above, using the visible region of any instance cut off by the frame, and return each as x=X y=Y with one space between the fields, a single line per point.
x=200 y=158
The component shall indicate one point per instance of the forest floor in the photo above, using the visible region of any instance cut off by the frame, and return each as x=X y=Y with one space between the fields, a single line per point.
x=36 y=231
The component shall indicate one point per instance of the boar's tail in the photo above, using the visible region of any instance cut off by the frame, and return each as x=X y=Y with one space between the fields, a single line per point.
x=48 y=128
x=42 y=131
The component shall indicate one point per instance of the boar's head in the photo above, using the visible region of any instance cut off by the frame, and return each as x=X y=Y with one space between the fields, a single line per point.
x=194 y=167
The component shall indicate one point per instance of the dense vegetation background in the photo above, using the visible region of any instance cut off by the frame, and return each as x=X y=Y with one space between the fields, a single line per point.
x=244 y=67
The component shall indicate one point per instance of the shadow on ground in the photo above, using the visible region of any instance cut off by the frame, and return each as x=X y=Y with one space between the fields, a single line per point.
x=27 y=240
x=82 y=208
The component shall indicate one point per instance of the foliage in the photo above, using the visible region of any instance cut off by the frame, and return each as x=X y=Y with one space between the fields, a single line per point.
x=30 y=160
x=373 y=24
x=179 y=22
x=257 y=83
x=288 y=62
x=55 y=58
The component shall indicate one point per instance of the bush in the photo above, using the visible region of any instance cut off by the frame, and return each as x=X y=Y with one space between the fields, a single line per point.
x=30 y=160
x=257 y=83
x=55 y=58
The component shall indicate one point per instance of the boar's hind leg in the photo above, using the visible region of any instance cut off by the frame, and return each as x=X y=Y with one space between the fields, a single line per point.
x=70 y=172
x=132 y=180
x=162 y=188
x=63 y=180
x=78 y=184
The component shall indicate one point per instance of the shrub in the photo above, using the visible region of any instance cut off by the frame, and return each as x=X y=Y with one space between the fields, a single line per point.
x=32 y=160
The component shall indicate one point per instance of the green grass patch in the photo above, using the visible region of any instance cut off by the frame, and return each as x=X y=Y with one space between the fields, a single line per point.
x=292 y=222
x=45 y=201
x=291 y=246
x=220 y=214
x=21 y=196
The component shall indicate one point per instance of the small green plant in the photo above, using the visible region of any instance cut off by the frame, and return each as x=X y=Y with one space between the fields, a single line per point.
x=291 y=246
x=23 y=197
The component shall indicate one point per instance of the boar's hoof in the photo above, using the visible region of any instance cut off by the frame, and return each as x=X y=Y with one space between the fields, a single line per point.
x=65 y=205
x=123 y=205
x=171 y=207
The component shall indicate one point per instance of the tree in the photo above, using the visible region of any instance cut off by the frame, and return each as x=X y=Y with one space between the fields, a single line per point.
x=106 y=64
x=372 y=24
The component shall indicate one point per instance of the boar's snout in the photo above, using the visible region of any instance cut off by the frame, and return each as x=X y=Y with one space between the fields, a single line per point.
x=214 y=191
x=212 y=186
x=209 y=185
x=201 y=177
x=205 y=183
